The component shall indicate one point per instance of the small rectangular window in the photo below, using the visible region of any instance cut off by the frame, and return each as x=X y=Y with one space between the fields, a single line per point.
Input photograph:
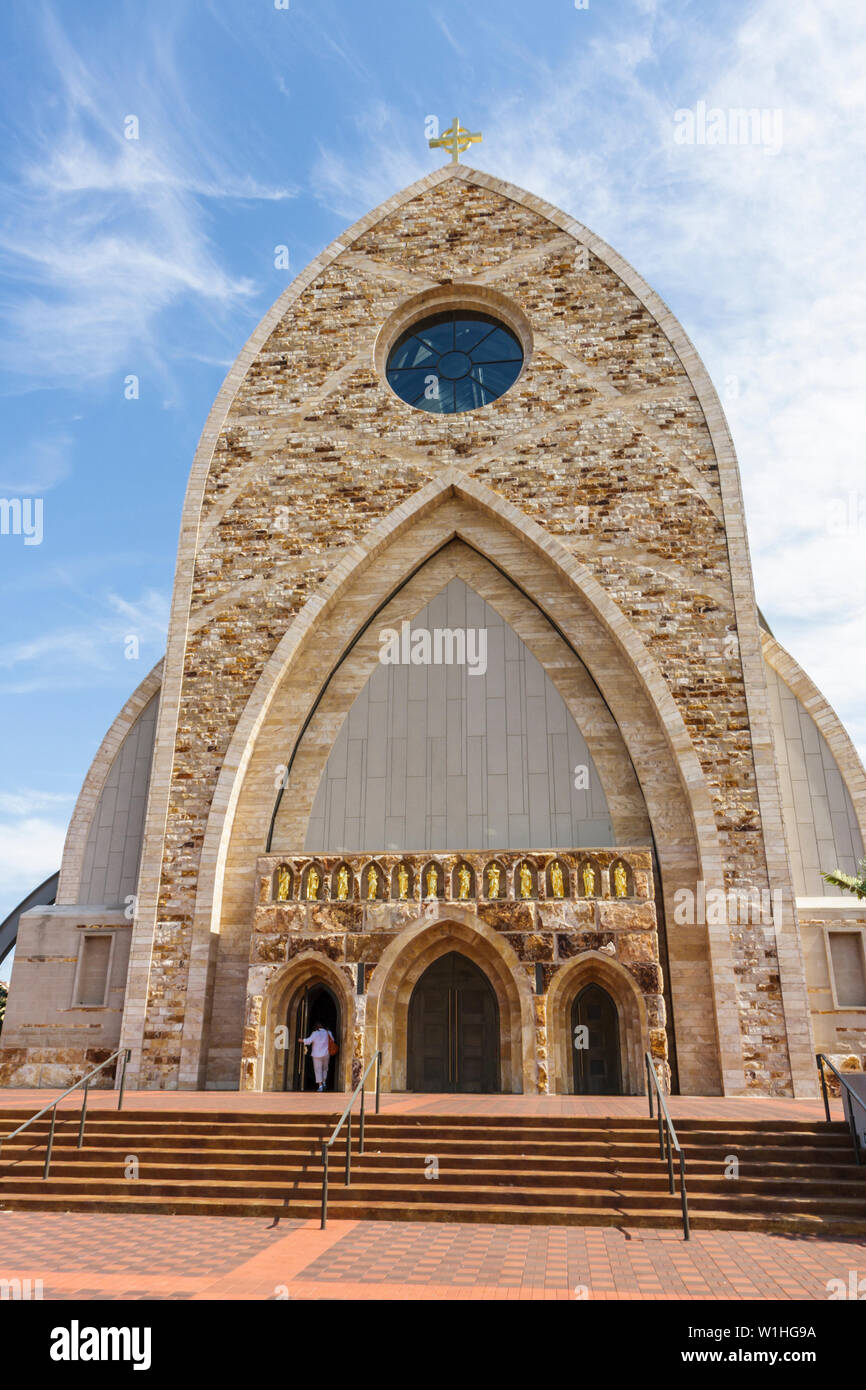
x=93 y=970
x=846 y=954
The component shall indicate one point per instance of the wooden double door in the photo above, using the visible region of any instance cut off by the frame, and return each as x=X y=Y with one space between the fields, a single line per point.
x=453 y=1033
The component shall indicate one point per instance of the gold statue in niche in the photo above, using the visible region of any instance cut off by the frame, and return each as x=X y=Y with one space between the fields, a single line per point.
x=403 y=882
x=464 y=881
x=588 y=876
x=620 y=881
x=556 y=882
x=313 y=881
x=432 y=882
x=494 y=874
x=525 y=880
x=372 y=882
x=343 y=883
x=284 y=885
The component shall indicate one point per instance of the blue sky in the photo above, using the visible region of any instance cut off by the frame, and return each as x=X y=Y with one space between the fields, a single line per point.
x=260 y=127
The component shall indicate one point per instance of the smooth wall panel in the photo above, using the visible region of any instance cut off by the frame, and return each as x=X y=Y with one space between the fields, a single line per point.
x=433 y=757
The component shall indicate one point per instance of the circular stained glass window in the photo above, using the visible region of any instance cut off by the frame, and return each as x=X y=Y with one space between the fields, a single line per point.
x=455 y=361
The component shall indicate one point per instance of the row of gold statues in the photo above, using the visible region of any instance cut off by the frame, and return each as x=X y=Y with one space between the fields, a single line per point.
x=590 y=882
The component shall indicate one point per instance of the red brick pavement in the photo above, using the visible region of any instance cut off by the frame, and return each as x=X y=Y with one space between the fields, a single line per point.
x=118 y=1256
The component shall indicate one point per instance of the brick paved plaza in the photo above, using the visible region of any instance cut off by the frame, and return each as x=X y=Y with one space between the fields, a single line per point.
x=177 y=1257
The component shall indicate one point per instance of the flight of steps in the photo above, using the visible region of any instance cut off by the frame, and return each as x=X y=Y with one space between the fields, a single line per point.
x=793 y=1176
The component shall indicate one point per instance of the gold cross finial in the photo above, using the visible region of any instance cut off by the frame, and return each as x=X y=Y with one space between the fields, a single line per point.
x=457 y=139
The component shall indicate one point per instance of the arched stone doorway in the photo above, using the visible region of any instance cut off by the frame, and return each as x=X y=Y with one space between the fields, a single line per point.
x=313 y=1005
x=453 y=1031
x=273 y=1023
x=437 y=931
x=595 y=1043
x=618 y=986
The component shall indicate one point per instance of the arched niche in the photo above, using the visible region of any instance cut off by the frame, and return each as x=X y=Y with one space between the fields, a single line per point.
x=592 y=967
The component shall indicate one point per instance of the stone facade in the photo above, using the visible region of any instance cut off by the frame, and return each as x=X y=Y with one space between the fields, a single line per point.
x=604 y=416
x=596 y=505
x=550 y=941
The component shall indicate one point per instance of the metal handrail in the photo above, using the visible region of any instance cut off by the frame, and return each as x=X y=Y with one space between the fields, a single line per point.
x=376 y=1062
x=850 y=1094
x=52 y=1106
x=669 y=1134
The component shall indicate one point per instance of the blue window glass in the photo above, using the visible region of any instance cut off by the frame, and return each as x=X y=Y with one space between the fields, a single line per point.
x=455 y=361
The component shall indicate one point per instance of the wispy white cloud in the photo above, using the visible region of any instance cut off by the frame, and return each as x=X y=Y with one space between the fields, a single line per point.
x=28 y=801
x=351 y=186
x=761 y=255
x=31 y=847
x=459 y=48
x=68 y=657
x=37 y=468
x=107 y=233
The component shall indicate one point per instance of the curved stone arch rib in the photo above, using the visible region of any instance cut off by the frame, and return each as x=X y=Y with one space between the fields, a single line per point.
x=566 y=671
x=819 y=709
x=88 y=798
x=618 y=628
x=46 y=892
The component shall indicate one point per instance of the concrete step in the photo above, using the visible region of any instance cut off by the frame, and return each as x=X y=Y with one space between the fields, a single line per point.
x=257 y=1165
x=766 y=1186
x=563 y=1170
x=487 y=1144
x=721 y=1219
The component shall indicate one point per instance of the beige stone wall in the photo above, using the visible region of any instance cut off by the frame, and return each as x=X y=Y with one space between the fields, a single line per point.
x=840 y=1033
x=308 y=452
x=48 y=1040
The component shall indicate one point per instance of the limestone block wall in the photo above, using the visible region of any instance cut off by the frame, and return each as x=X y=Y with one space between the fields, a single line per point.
x=603 y=441
x=840 y=1032
x=49 y=1040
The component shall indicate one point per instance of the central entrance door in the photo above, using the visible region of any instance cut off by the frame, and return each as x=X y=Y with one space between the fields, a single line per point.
x=596 y=1064
x=453 y=1029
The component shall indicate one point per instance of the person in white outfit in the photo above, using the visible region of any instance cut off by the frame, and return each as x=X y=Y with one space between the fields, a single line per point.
x=318 y=1044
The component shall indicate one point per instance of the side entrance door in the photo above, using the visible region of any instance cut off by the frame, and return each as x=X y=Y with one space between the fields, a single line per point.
x=595 y=1043
x=314 y=1005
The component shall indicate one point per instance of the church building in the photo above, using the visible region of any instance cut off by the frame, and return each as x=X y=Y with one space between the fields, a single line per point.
x=470 y=741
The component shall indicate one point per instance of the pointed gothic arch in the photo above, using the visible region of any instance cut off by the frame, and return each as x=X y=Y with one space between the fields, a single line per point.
x=614 y=654
x=594 y=967
x=439 y=929
x=263 y=1064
